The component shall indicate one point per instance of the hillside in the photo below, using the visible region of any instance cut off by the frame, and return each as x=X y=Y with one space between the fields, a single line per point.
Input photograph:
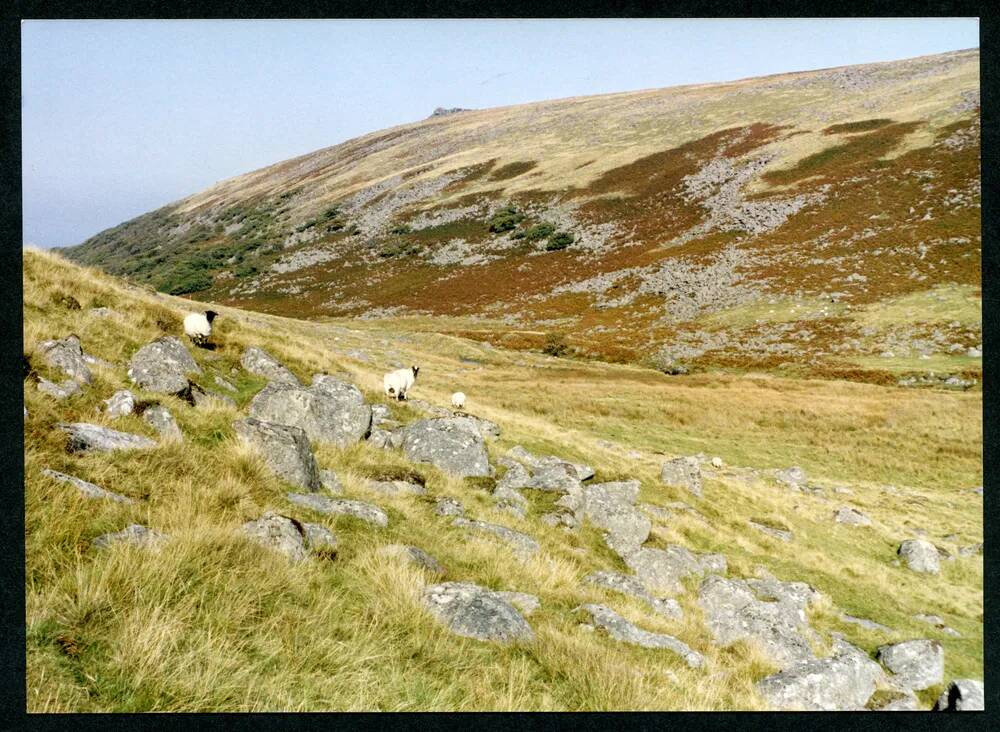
x=203 y=617
x=825 y=222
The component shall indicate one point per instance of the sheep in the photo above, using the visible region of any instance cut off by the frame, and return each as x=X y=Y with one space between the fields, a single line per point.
x=198 y=326
x=458 y=400
x=397 y=383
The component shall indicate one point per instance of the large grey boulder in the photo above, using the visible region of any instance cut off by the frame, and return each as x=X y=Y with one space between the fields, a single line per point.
x=488 y=429
x=342 y=507
x=517 y=476
x=279 y=533
x=683 y=472
x=261 y=363
x=661 y=570
x=844 y=681
x=556 y=477
x=63 y=390
x=476 y=612
x=452 y=444
x=162 y=366
x=916 y=664
x=630 y=586
x=851 y=517
x=285 y=450
x=66 y=354
x=920 y=556
x=328 y=411
x=609 y=506
x=522 y=543
x=161 y=420
x=120 y=404
x=87 y=489
x=414 y=555
x=962 y=695
x=627 y=632
x=133 y=534
x=733 y=613
x=84 y=437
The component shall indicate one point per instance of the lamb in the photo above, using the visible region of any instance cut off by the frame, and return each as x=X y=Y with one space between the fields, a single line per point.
x=198 y=326
x=458 y=400
x=397 y=383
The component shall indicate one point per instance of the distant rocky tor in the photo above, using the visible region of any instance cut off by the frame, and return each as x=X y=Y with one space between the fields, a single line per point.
x=770 y=613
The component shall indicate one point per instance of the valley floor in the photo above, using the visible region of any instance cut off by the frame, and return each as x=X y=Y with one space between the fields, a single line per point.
x=214 y=622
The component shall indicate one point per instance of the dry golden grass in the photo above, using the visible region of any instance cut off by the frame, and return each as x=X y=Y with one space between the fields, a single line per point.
x=212 y=622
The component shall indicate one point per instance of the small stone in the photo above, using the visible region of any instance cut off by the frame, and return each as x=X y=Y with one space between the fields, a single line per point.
x=341 y=507
x=623 y=584
x=161 y=420
x=67 y=356
x=920 y=556
x=120 y=404
x=522 y=543
x=61 y=391
x=280 y=533
x=476 y=612
x=84 y=437
x=682 y=472
x=622 y=630
x=917 y=664
x=320 y=539
x=782 y=534
x=851 y=517
x=134 y=534
x=865 y=623
x=448 y=507
x=87 y=489
x=396 y=487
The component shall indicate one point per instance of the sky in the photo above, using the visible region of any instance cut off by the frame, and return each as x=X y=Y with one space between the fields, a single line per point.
x=122 y=117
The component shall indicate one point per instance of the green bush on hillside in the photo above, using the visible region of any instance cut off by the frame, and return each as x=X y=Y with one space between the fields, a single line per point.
x=559 y=241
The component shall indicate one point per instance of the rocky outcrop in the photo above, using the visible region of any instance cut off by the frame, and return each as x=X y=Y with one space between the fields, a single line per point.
x=622 y=630
x=261 y=363
x=84 y=437
x=66 y=355
x=844 y=681
x=476 y=612
x=87 y=489
x=285 y=450
x=920 y=556
x=162 y=366
x=328 y=411
x=522 y=543
x=661 y=570
x=682 y=472
x=916 y=664
x=452 y=444
x=625 y=585
x=342 y=507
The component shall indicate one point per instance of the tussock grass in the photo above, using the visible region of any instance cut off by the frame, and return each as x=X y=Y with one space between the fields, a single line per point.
x=213 y=622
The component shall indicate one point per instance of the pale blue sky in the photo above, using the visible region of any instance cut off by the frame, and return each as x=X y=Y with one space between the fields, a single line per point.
x=121 y=117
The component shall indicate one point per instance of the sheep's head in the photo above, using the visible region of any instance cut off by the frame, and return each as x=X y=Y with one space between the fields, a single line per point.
x=415 y=370
x=210 y=315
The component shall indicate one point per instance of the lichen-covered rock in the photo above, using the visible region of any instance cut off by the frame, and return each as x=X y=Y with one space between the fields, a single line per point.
x=328 y=411
x=452 y=444
x=60 y=391
x=916 y=664
x=133 y=534
x=380 y=414
x=448 y=507
x=414 y=555
x=793 y=477
x=661 y=570
x=285 y=450
x=609 y=507
x=622 y=630
x=84 y=437
x=844 y=681
x=342 y=507
x=319 y=539
x=782 y=534
x=488 y=429
x=865 y=623
x=516 y=477
x=476 y=612
x=682 y=472
x=920 y=556
x=330 y=482
x=396 y=487
x=523 y=601
x=555 y=477
x=379 y=438
x=162 y=366
x=851 y=517
x=522 y=543
x=261 y=363
x=120 y=404
x=161 y=420
x=88 y=489
x=962 y=695
x=279 y=533
x=625 y=585
x=733 y=613
x=66 y=354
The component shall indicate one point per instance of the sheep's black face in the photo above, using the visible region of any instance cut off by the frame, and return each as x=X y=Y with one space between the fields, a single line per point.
x=415 y=370
x=210 y=315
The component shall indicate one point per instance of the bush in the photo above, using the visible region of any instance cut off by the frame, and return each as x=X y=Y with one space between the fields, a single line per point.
x=539 y=231
x=559 y=241
x=505 y=219
x=401 y=229
x=555 y=345
x=400 y=249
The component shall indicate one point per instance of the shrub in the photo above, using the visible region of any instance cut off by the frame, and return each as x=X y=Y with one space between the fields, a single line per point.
x=555 y=345
x=399 y=249
x=539 y=231
x=559 y=241
x=505 y=219
x=401 y=229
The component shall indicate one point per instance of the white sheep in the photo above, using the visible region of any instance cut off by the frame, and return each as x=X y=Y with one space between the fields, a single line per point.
x=198 y=326
x=398 y=382
x=458 y=400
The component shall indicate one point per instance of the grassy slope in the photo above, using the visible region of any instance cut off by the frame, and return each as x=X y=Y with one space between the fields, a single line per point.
x=213 y=622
